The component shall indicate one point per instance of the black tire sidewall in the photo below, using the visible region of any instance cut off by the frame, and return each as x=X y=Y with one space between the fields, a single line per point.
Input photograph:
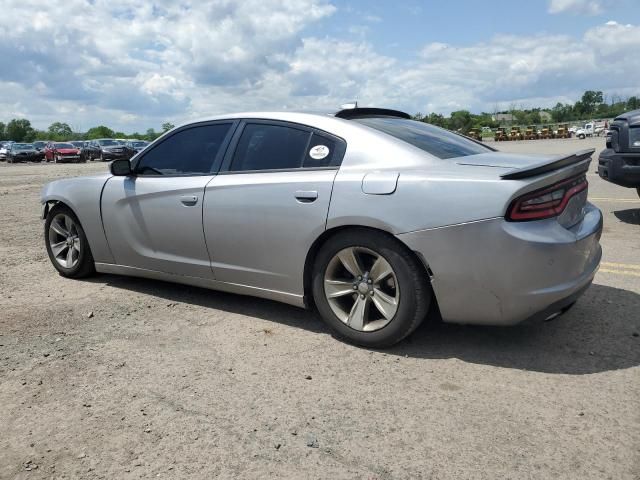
x=85 y=265
x=414 y=290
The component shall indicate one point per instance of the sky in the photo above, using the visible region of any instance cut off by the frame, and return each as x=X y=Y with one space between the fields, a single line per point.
x=132 y=65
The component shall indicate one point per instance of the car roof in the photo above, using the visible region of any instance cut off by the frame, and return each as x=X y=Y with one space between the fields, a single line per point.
x=633 y=117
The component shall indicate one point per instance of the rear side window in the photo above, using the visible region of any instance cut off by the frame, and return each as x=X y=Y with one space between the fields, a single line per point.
x=434 y=140
x=188 y=152
x=322 y=152
x=634 y=137
x=270 y=147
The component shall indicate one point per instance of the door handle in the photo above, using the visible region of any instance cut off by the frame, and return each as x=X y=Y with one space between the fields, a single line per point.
x=189 y=200
x=306 y=196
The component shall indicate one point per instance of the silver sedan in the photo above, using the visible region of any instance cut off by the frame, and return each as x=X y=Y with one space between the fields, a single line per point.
x=374 y=219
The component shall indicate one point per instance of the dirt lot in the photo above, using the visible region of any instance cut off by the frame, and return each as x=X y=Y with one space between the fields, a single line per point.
x=123 y=378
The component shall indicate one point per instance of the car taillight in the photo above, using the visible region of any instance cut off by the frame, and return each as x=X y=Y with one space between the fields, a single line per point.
x=547 y=202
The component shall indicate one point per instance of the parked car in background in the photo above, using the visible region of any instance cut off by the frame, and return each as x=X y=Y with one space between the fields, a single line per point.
x=135 y=146
x=23 y=152
x=91 y=150
x=40 y=144
x=619 y=163
x=62 y=152
x=80 y=145
x=106 y=149
x=4 y=149
x=368 y=215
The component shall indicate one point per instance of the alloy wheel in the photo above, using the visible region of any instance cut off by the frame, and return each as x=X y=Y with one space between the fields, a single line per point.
x=64 y=241
x=361 y=289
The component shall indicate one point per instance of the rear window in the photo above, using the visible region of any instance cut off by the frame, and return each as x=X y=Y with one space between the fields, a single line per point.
x=436 y=141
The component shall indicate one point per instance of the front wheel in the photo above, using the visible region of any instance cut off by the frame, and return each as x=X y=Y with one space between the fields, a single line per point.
x=67 y=243
x=369 y=288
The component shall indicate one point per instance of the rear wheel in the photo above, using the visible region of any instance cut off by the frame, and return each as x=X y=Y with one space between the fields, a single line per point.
x=369 y=288
x=67 y=244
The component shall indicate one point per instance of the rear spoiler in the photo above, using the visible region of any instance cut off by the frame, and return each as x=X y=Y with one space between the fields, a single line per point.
x=548 y=165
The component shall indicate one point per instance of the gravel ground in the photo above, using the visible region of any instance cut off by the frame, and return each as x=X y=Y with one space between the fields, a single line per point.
x=117 y=377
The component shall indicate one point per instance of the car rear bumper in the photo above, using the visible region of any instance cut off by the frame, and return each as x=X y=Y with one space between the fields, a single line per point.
x=495 y=272
x=620 y=168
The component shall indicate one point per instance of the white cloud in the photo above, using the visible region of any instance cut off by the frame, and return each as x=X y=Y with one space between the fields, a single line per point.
x=587 y=7
x=132 y=65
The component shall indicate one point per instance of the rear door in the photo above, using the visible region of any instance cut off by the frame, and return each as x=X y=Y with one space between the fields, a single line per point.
x=153 y=219
x=269 y=203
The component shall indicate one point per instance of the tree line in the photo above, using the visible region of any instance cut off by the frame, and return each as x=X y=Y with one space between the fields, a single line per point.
x=20 y=130
x=592 y=105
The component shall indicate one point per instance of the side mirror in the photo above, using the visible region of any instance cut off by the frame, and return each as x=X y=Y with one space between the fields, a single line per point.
x=121 y=167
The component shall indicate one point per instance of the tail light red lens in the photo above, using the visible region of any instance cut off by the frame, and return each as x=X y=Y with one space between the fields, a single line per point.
x=547 y=202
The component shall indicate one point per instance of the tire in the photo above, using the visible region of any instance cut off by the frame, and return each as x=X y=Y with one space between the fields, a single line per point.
x=56 y=159
x=83 y=265
x=406 y=285
x=101 y=157
x=582 y=137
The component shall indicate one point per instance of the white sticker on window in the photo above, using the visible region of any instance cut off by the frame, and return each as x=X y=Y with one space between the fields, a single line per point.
x=319 y=152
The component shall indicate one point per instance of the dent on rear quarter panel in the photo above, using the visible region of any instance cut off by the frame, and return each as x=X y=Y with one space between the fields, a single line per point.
x=83 y=196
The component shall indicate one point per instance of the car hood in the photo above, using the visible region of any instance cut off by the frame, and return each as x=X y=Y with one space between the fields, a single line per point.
x=502 y=160
x=25 y=152
x=67 y=150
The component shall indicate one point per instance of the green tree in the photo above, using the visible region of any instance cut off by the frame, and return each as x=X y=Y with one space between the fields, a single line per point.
x=435 y=119
x=633 y=103
x=3 y=132
x=99 y=132
x=151 y=135
x=20 y=130
x=60 y=131
x=460 y=121
x=590 y=99
x=167 y=126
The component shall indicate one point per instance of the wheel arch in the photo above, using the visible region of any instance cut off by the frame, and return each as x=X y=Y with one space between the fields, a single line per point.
x=327 y=234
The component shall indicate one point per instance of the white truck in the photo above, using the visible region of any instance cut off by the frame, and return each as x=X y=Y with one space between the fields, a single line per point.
x=592 y=129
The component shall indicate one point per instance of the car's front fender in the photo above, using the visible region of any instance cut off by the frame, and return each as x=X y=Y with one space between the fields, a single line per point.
x=82 y=195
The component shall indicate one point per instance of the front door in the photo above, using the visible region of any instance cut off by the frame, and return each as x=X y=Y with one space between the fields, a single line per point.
x=153 y=218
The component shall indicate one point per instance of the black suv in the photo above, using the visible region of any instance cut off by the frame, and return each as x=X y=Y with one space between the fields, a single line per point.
x=105 y=149
x=620 y=162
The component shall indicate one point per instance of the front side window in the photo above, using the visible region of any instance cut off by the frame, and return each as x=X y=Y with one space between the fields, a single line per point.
x=634 y=137
x=434 y=140
x=192 y=151
x=270 y=147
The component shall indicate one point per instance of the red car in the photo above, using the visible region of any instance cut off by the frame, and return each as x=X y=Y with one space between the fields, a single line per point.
x=61 y=152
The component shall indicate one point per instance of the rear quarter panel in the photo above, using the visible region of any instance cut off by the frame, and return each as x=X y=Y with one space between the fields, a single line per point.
x=432 y=197
x=82 y=195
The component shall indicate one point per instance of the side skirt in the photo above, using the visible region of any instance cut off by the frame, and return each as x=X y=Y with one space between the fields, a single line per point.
x=289 y=298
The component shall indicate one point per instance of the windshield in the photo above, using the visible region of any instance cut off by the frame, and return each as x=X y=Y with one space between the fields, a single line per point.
x=77 y=144
x=107 y=143
x=39 y=144
x=63 y=145
x=22 y=146
x=139 y=144
x=436 y=141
